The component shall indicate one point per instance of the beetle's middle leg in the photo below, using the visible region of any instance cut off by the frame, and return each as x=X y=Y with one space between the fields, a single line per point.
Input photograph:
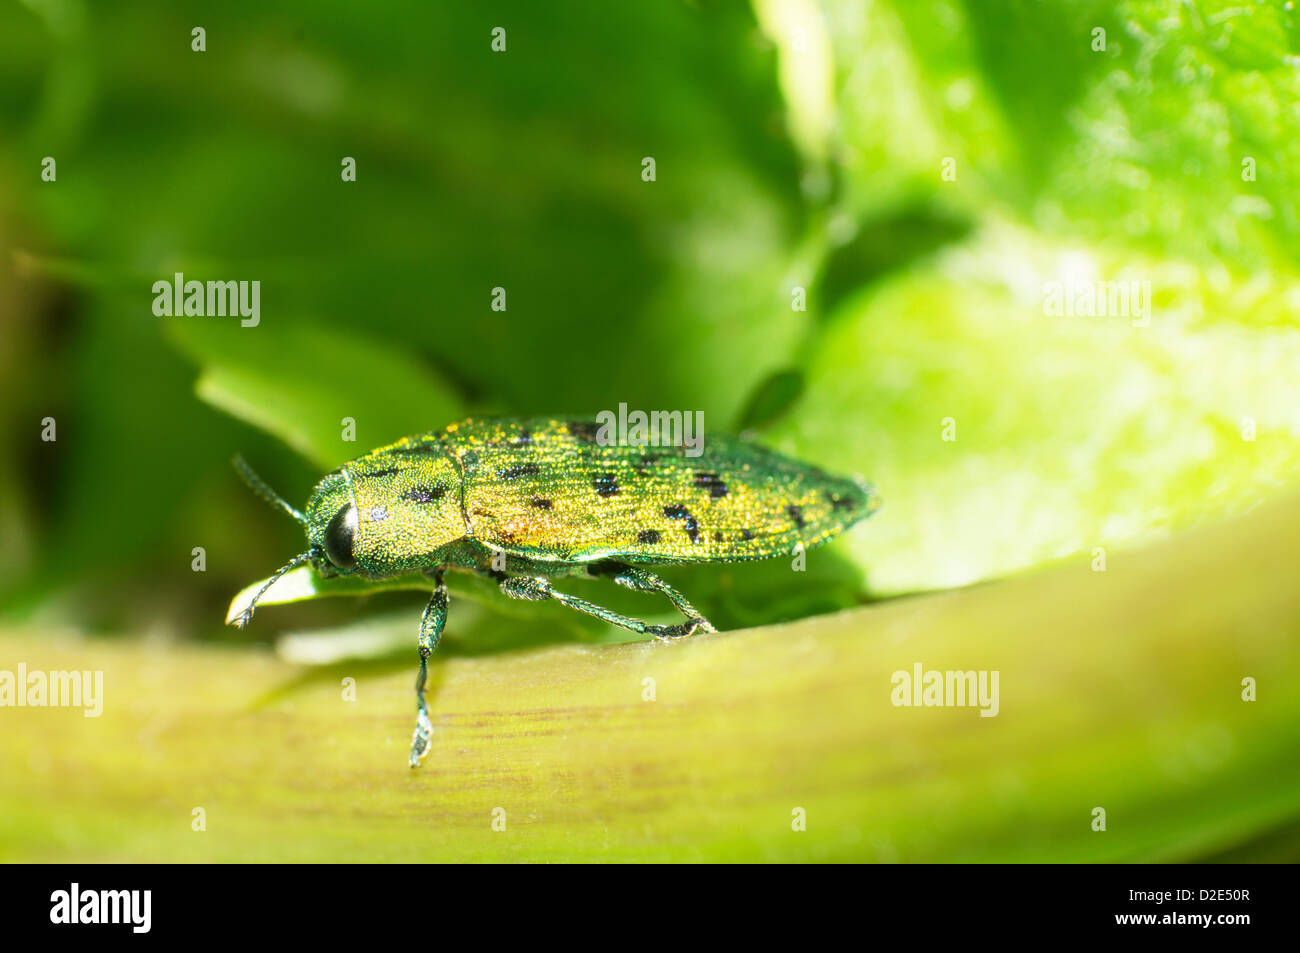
x=431 y=624
x=536 y=587
x=642 y=580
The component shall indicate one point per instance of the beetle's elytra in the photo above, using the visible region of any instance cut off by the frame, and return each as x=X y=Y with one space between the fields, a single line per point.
x=523 y=501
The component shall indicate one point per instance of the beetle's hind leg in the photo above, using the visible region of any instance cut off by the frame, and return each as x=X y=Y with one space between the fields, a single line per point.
x=431 y=624
x=642 y=580
x=536 y=587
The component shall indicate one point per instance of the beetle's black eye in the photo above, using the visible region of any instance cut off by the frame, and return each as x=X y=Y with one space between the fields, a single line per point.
x=339 y=536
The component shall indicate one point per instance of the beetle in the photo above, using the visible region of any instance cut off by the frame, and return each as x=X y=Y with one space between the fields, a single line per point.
x=526 y=501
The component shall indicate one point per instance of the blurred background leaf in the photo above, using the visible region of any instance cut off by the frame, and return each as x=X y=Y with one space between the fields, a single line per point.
x=813 y=163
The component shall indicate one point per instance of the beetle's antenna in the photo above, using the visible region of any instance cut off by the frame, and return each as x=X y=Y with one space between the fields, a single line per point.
x=258 y=486
x=246 y=616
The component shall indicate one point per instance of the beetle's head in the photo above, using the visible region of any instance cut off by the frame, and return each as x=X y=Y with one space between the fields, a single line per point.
x=372 y=518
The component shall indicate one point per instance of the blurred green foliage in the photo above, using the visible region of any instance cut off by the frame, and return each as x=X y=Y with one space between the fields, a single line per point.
x=797 y=145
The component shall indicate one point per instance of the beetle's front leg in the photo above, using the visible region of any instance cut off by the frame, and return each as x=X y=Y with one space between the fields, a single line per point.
x=431 y=623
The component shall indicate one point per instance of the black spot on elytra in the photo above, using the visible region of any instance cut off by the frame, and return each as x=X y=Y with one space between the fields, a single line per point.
x=425 y=494
x=514 y=473
x=606 y=484
x=746 y=535
x=583 y=430
x=678 y=512
x=717 y=537
x=711 y=482
x=648 y=537
x=795 y=514
x=538 y=503
x=379 y=473
x=692 y=529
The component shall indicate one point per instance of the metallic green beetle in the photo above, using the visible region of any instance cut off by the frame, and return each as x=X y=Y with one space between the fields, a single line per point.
x=524 y=501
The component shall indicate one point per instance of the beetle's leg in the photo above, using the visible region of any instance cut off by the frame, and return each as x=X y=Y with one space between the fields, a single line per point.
x=535 y=587
x=431 y=623
x=642 y=580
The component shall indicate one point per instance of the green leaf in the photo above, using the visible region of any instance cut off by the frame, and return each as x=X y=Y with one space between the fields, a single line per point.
x=1002 y=437
x=1071 y=165
x=305 y=583
x=301 y=383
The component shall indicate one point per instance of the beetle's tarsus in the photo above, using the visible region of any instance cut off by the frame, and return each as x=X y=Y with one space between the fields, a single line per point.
x=423 y=723
x=671 y=633
x=420 y=740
